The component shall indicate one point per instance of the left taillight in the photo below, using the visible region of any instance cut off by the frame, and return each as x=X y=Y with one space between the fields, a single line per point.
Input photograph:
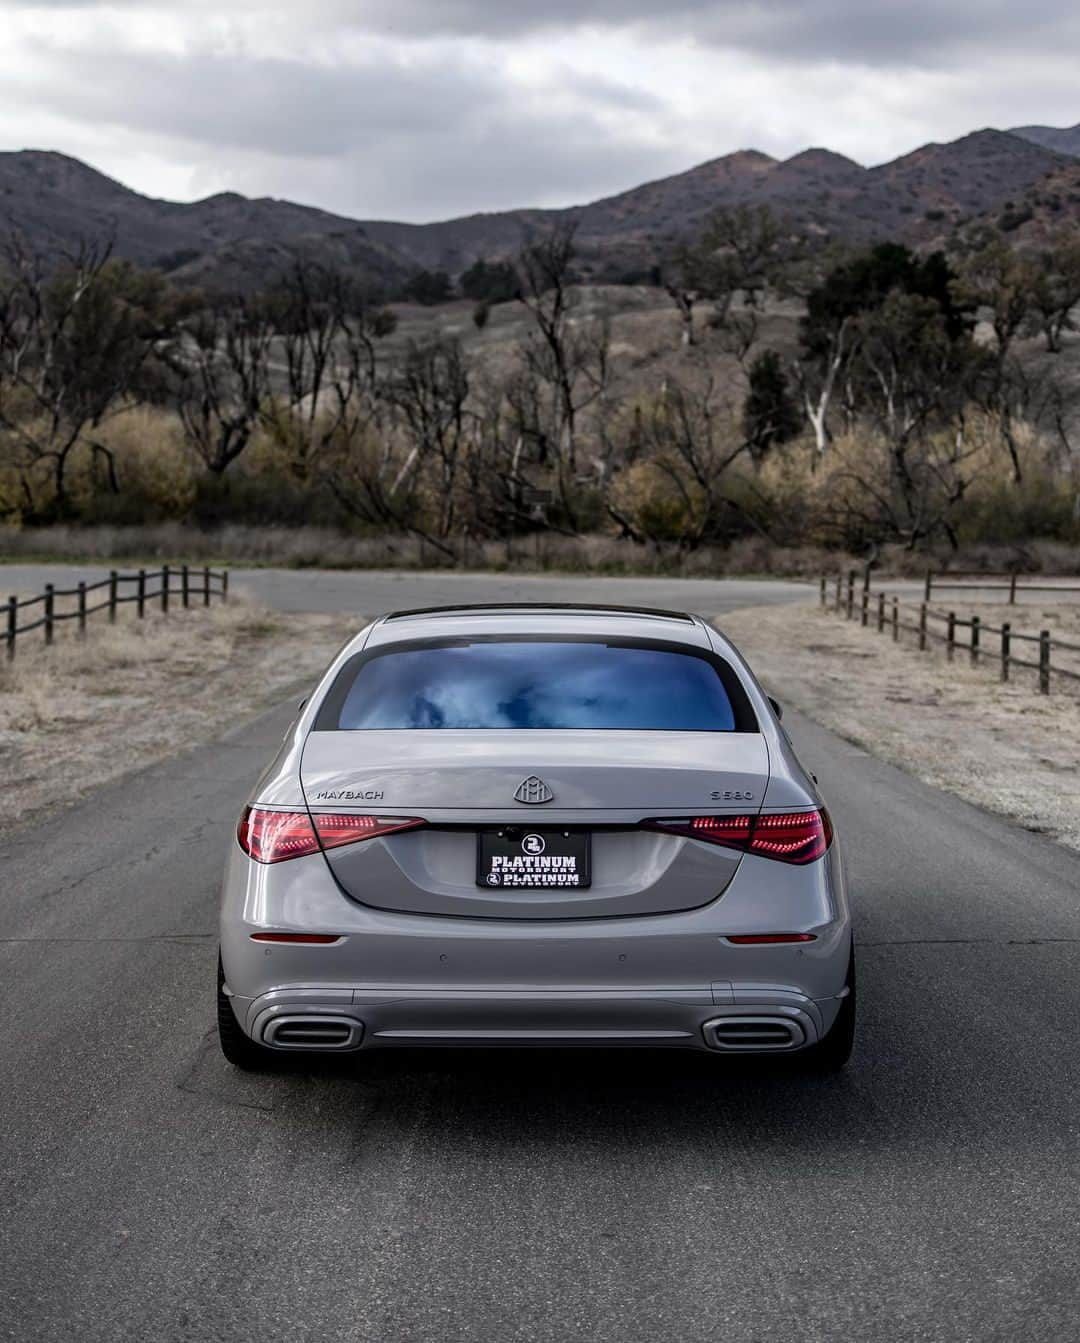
x=275 y=836
x=788 y=837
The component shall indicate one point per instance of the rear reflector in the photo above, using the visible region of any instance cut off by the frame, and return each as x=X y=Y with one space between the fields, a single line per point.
x=769 y=939
x=274 y=836
x=301 y=939
x=790 y=837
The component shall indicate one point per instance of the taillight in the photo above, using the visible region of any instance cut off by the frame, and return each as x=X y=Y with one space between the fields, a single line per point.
x=274 y=836
x=790 y=837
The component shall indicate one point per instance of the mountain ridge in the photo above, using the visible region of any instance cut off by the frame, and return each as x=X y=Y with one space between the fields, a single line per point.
x=228 y=240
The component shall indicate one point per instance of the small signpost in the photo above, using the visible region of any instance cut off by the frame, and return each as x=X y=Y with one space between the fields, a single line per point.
x=537 y=498
x=538 y=501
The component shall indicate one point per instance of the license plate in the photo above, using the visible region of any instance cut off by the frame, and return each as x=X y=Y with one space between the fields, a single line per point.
x=522 y=859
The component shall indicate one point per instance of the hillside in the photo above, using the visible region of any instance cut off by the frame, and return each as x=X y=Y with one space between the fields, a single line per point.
x=1065 y=140
x=830 y=195
x=230 y=241
x=1031 y=218
x=223 y=241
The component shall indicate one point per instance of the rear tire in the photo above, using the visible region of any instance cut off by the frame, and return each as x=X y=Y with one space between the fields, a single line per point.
x=240 y=1050
x=832 y=1054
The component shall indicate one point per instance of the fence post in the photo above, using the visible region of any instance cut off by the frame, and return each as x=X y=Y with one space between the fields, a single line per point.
x=49 y=605
x=224 y=585
x=1006 y=649
x=140 y=594
x=922 y=628
x=976 y=624
x=880 y=611
x=896 y=620
x=824 y=587
x=184 y=590
x=206 y=585
x=1044 y=662
x=850 y=593
x=929 y=586
x=950 y=638
x=864 y=604
x=839 y=588
x=12 y=625
x=165 y=589
x=82 y=610
x=114 y=579
x=1012 y=588
x=866 y=577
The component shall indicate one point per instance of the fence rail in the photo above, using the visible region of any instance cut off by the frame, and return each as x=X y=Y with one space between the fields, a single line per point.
x=185 y=583
x=887 y=614
x=1011 y=582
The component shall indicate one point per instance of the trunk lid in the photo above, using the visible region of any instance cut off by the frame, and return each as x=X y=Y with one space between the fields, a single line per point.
x=472 y=771
x=602 y=783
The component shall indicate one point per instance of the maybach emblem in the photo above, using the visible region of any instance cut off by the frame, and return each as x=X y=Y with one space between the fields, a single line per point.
x=533 y=791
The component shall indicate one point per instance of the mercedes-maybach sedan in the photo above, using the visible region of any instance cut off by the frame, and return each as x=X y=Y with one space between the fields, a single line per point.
x=542 y=826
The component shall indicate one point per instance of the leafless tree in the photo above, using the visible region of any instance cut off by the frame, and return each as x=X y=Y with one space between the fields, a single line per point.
x=76 y=334
x=327 y=331
x=224 y=385
x=566 y=356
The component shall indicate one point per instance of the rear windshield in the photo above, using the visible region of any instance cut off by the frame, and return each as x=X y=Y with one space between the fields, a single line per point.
x=527 y=683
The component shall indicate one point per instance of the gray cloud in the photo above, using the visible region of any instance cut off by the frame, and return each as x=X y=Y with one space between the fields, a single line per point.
x=378 y=137
x=887 y=32
x=873 y=32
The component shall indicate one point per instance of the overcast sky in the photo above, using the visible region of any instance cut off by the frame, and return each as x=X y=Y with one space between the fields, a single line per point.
x=422 y=109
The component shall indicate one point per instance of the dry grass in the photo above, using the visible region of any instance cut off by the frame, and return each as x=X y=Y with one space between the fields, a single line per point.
x=325 y=548
x=1002 y=747
x=80 y=713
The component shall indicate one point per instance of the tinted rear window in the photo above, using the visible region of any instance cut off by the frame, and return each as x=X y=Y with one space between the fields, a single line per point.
x=526 y=683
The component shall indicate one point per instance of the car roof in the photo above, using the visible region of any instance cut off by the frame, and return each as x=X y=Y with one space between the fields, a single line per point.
x=524 y=618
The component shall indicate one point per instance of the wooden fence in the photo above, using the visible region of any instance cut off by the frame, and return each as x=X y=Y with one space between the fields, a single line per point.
x=983 y=643
x=184 y=583
x=974 y=580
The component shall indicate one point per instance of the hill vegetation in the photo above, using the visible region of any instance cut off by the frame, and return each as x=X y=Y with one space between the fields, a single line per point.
x=764 y=382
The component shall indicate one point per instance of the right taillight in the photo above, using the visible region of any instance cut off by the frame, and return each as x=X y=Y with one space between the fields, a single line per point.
x=787 y=836
x=274 y=836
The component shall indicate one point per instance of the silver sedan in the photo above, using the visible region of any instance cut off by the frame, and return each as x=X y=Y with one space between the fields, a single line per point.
x=526 y=826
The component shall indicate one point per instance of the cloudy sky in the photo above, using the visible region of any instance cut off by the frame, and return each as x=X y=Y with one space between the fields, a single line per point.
x=422 y=109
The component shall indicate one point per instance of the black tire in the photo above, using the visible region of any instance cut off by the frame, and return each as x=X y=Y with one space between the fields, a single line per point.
x=240 y=1050
x=833 y=1053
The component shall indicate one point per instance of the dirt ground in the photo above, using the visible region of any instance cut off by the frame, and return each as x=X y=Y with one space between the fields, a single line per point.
x=1002 y=747
x=78 y=714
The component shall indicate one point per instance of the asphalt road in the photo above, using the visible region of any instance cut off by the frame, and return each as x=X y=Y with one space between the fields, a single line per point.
x=149 y=1192
x=372 y=591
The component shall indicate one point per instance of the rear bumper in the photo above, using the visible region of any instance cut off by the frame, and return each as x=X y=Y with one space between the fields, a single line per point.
x=663 y=981
x=738 y=1019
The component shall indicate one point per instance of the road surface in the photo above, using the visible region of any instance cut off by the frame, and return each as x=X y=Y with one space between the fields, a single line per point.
x=372 y=591
x=149 y=1192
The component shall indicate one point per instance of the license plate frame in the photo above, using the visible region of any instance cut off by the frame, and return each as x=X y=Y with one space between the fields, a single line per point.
x=540 y=858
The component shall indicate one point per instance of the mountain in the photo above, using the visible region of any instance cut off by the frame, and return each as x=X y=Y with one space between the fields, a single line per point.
x=225 y=241
x=1065 y=140
x=824 y=193
x=230 y=241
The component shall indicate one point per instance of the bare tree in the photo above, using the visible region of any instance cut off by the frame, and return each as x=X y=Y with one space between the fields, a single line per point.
x=431 y=392
x=567 y=355
x=327 y=332
x=678 y=491
x=224 y=385
x=76 y=334
x=817 y=379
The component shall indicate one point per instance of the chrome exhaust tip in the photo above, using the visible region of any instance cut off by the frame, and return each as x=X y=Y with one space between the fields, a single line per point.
x=753 y=1035
x=313 y=1032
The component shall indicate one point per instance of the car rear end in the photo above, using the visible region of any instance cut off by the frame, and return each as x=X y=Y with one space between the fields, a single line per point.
x=536 y=827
